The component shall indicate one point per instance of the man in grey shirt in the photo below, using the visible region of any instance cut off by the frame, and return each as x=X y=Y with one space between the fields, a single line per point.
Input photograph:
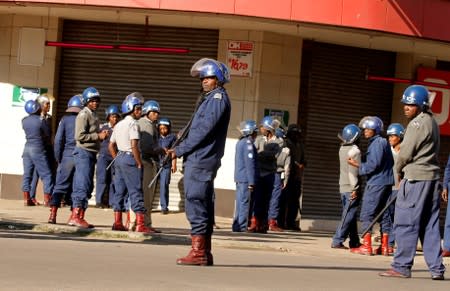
x=418 y=199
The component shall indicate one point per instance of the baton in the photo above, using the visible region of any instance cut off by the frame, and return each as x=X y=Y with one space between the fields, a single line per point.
x=350 y=203
x=389 y=203
x=112 y=162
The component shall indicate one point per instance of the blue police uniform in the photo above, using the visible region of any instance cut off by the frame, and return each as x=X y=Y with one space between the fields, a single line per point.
x=85 y=156
x=245 y=174
x=202 y=150
x=378 y=170
x=34 y=153
x=104 y=180
x=63 y=148
x=164 y=177
x=418 y=198
x=49 y=155
x=446 y=185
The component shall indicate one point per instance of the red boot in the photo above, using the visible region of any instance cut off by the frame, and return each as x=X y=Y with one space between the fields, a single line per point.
x=366 y=247
x=118 y=225
x=197 y=256
x=82 y=212
x=253 y=224
x=209 y=256
x=273 y=226
x=47 y=198
x=385 y=244
x=27 y=201
x=76 y=220
x=52 y=217
x=140 y=225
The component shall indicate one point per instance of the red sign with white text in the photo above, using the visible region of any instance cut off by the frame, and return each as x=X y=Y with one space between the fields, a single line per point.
x=440 y=104
x=240 y=58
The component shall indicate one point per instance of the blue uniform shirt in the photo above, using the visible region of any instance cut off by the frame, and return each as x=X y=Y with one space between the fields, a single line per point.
x=166 y=142
x=37 y=131
x=104 y=144
x=205 y=143
x=65 y=137
x=378 y=163
x=245 y=162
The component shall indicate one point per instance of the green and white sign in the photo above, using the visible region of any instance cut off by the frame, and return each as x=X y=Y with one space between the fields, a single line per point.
x=23 y=94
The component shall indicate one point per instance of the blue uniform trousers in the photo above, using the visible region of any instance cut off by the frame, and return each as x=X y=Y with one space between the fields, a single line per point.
x=446 y=244
x=348 y=227
x=64 y=181
x=127 y=181
x=275 y=197
x=51 y=163
x=83 y=182
x=262 y=196
x=34 y=158
x=164 y=181
x=103 y=180
x=391 y=211
x=417 y=216
x=242 y=207
x=374 y=199
x=199 y=193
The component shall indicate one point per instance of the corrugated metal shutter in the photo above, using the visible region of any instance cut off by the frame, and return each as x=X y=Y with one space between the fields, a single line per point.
x=334 y=93
x=160 y=76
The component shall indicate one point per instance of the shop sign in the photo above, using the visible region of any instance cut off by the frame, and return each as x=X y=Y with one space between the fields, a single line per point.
x=240 y=58
x=440 y=101
x=23 y=94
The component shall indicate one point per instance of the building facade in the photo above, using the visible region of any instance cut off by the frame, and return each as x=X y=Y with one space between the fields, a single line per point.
x=314 y=63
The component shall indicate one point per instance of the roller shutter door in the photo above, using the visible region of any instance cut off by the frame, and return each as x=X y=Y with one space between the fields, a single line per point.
x=160 y=76
x=334 y=92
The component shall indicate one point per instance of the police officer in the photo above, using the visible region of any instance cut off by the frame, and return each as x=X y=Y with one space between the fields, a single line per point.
x=202 y=150
x=418 y=199
x=294 y=186
x=124 y=147
x=63 y=148
x=150 y=151
x=104 y=174
x=44 y=103
x=376 y=165
x=445 y=186
x=37 y=135
x=267 y=199
x=246 y=173
x=87 y=137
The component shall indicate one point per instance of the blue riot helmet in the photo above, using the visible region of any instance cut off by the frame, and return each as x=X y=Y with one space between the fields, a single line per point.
x=89 y=94
x=226 y=73
x=111 y=109
x=129 y=103
x=269 y=123
x=350 y=133
x=32 y=107
x=205 y=67
x=416 y=95
x=280 y=133
x=248 y=127
x=164 y=121
x=75 y=104
x=150 y=106
x=372 y=122
x=396 y=129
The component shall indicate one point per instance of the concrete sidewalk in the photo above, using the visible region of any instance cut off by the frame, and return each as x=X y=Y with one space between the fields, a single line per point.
x=175 y=230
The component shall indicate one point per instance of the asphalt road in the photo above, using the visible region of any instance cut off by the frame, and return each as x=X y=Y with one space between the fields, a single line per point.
x=31 y=261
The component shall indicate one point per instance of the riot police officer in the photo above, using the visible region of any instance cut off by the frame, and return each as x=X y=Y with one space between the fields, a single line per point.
x=418 y=198
x=37 y=134
x=104 y=183
x=202 y=150
x=87 y=137
x=63 y=148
